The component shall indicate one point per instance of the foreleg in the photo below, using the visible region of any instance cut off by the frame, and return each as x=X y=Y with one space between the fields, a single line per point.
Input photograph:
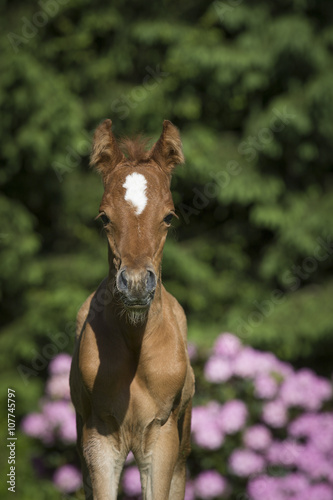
x=102 y=463
x=157 y=459
x=178 y=483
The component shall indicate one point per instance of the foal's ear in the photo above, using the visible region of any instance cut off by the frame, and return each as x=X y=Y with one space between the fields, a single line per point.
x=168 y=151
x=106 y=153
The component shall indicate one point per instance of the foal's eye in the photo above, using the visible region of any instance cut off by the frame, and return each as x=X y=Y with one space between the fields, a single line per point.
x=105 y=219
x=168 y=218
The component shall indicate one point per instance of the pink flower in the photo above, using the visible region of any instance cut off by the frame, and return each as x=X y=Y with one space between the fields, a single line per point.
x=304 y=425
x=306 y=390
x=210 y=436
x=227 y=345
x=58 y=386
x=257 y=437
x=210 y=484
x=313 y=463
x=321 y=435
x=283 y=369
x=293 y=486
x=218 y=369
x=207 y=432
x=67 y=479
x=200 y=414
x=130 y=458
x=284 y=453
x=317 y=428
x=232 y=416
x=263 y=488
x=56 y=412
x=250 y=363
x=293 y=483
x=37 y=426
x=189 y=491
x=319 y=491
x=245 y=365
x=267 y=362
x=265 y=386
x=131 y=481
x=60 y=364
x=274 y=414
x=32 y=424
x=61 y=420
x=67 y=430
x=244 y=463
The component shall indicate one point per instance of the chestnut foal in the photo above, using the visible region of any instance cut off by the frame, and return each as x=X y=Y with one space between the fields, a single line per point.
x=131 y=379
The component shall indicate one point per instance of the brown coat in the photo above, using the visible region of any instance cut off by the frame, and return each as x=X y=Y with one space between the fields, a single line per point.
x=131 y=379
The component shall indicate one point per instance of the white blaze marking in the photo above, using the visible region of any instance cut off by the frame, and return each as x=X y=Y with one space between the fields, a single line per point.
x=135 y=185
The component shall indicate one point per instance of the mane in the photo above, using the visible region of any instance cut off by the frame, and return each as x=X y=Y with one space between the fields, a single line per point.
x=136 y=148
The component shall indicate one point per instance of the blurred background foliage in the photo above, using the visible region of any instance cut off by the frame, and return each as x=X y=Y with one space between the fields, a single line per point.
x=249 y=84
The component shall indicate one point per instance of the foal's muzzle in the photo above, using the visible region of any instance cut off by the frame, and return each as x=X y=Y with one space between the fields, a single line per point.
x=136 y=287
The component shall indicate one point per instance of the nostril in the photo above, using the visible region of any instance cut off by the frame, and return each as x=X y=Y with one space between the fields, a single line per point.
x=150 y=281
x=122 y=280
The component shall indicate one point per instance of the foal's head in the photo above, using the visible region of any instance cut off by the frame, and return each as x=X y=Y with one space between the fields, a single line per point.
x=136 y=210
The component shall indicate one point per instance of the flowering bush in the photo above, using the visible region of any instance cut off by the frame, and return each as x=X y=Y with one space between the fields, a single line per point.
x=265 y=428
x=55 y=427
x=261 y=430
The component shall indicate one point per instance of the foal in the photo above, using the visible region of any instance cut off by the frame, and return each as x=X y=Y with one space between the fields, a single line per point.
x=131 y=379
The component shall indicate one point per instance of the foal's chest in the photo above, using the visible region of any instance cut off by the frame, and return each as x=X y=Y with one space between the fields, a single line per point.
x=136 y=391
